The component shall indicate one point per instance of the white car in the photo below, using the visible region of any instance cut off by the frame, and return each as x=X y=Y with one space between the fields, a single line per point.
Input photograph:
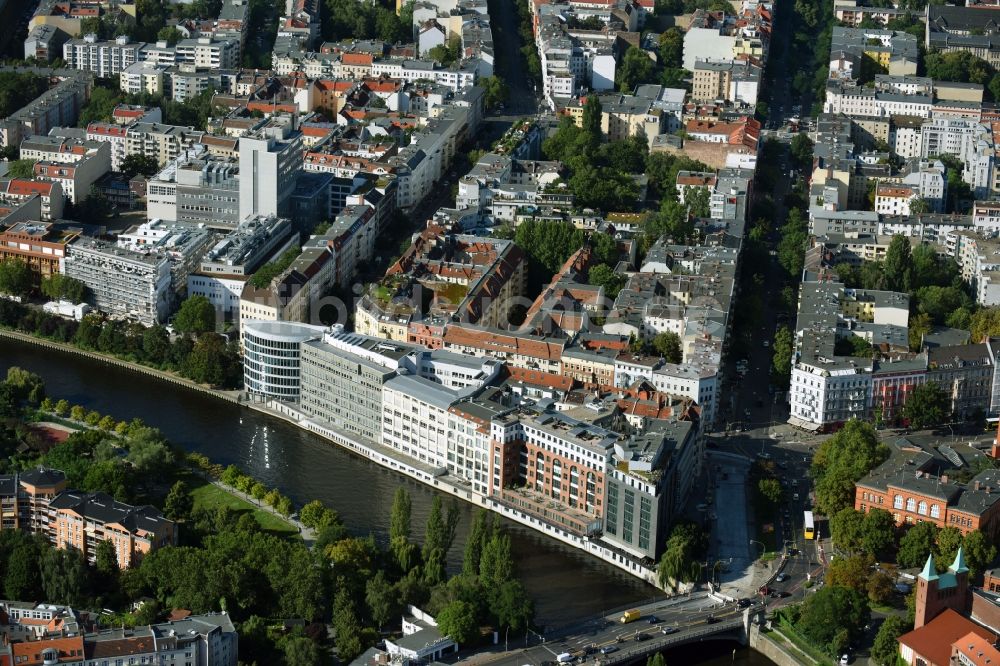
x=845 y=659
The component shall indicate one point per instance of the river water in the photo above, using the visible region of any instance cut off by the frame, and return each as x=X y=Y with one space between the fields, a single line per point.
x=565 y=584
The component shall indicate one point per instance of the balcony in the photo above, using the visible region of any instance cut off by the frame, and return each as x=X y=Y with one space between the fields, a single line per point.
x=550 y=511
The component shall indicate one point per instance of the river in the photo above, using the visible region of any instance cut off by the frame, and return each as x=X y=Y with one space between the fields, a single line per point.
x=565 y=584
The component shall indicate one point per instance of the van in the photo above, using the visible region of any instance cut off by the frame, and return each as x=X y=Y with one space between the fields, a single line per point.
x=565 y=658
x=630 y=616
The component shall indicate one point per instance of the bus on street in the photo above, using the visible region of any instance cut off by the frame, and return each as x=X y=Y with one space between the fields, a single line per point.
x=810 y=528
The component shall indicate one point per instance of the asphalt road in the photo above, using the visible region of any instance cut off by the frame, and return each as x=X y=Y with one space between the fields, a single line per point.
x=610 y=634
x=523 y=99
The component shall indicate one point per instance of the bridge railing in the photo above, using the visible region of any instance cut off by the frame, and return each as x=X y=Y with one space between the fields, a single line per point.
x=665 y=601
x=639 y=650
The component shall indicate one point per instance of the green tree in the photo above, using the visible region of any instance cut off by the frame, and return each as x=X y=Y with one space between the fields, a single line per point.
x=636 y=68
x=979 y=552
x=496 y=564
x=898 y=265
x=852 y=572
x=63 y=287
x=672 y=48
x=171 y=36
x=592 y=115
x=919 y=541
x=15 y=277
x=302 y=651
x=949 y=540
x=878 y=532
x=62 y=408
x=781 y=361
x=833 y=617
x=156 y=345
x=178 y=503
x=24 y=169
x=63 y=576
x=841 y=461
x=196 y=315
x=668 y=345
x=698 y=201
x=770 y=489
x=801 y=149
x=21 y=578
x=381 y=598
x=885 y=650
x=316 y=515
x=656 y=660
x=603 y=275
x=847 y=529
x=346 y=627
x=926 y=406
x=399 y=519
x=985 y=323
x=138 y=164
x=511 y=606
x=457 y=620
x=495 y=91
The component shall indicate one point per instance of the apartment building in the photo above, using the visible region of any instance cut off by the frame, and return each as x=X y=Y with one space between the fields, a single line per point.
x=416 y=411
x=163 y=143
x=49 y=192
x=39 y=502
x=977 y=255
x=648 y=481
x=103 y=59
x=965 y=374
x=968 y=140
x=970 y=29
x=113 y=134
x=552 y=467
x=736 y=81
x=59 y=106
x=44 y=43
x=144 y=77
x=206 y=640
x=122 y=283
x=469 y=279
x=82 y=521
x=75 y=178
x=41 y=245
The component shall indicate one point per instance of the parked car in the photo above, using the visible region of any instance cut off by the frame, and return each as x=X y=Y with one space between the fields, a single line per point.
x=781 y=578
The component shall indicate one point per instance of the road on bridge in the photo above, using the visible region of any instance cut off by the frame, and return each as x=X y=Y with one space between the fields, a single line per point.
x=686 y=618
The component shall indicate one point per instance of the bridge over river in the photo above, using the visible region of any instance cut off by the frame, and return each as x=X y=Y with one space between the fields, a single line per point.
x=604 y=640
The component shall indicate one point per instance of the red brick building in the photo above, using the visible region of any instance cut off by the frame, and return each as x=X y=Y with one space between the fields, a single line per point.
x=906 y=487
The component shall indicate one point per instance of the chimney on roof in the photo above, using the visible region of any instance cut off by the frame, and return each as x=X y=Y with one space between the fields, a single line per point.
x=976 y=485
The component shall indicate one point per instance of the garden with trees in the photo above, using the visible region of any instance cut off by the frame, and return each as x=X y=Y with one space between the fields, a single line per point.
x=280 y=593
x=203 y=357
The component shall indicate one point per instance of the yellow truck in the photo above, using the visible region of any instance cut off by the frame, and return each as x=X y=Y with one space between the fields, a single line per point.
x=630 y=616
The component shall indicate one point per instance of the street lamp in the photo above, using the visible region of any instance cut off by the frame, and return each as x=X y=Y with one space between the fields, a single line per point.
x=763 y=548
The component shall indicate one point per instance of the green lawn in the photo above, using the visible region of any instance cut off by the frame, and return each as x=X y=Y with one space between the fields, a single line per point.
x=208 y=496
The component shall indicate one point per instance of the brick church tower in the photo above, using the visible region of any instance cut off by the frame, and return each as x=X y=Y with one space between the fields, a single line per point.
x=936 y=593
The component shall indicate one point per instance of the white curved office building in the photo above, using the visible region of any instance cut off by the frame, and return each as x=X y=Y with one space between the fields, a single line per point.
x=272 y=353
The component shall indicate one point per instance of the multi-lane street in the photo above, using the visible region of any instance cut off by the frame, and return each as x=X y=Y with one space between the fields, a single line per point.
x=605 y=639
